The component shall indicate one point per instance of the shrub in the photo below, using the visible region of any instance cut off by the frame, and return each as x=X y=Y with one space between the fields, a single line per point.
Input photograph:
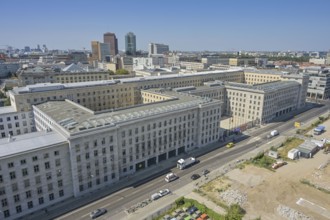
x=179 y=201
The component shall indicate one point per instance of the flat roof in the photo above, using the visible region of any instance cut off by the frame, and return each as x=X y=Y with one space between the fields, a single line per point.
x=263 y=71
x=75 y=118
x=28 y=142
x=7 y=109
x=307 y=147
x=58 y=86
x=265 y=87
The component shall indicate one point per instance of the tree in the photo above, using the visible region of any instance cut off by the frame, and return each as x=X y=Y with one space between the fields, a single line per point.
x=122 y=72
x=7 y=102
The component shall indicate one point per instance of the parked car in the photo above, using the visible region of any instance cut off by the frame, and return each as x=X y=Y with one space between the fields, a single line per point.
x=204 y=172
x=98 y=212
x=278 y=164
x=164 y=192
x=191 y=210
x=156 y=196
x=230 y=145
x=195 y=176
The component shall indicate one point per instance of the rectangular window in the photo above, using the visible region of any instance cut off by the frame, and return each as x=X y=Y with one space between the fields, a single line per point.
x=39 y=190
x=51 y=196
x=47 y=165
x=24 y=172
x=4 y=202
x=41 y=200
x=12 y=175
x=30 y=205
x=16 y=198
x=26 y=183
x=58 y=162
x=10 y=165
x=36 y=168
x=18 y=209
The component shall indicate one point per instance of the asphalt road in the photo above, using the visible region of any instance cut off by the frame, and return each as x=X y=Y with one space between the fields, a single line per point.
x=125 y=198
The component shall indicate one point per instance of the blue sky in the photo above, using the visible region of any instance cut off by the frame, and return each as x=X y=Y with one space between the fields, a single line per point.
x=189 y=25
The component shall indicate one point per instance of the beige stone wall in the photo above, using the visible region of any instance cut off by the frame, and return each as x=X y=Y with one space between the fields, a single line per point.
x=258 y=78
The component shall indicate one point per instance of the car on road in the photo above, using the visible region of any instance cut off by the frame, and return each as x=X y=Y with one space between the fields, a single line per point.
x=230 y=145
x=164 y=192
x=156 y=196
x=204 y=172
x=195 y=176
x=97 y=213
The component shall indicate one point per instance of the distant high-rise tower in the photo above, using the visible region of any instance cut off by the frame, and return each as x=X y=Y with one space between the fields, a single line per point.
x=100 y=51
x=155 y=49
x=130 y=43
x=110 y=38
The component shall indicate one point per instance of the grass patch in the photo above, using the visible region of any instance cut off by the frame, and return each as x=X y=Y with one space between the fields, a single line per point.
x=289 y=144
x=307 y=182
x=215 y=201
x=263 y=161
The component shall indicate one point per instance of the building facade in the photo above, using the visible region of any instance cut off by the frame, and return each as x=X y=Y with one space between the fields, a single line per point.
x=157 y=49
x=42 y=75
x=130 y=44
x=14 y=123
x=100 y=51
x=35 y=173
x=111 y=94
x=111 y=39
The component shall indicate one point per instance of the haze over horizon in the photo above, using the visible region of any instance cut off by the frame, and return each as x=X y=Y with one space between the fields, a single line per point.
x=184 y=25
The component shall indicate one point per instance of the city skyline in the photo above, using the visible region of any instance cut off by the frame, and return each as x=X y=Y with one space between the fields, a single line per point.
x=185 y=25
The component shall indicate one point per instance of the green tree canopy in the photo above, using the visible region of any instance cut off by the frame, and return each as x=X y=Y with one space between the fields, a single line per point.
x=122 y=72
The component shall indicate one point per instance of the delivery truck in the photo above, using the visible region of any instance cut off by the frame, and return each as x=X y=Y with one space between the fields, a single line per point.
x=182 y=164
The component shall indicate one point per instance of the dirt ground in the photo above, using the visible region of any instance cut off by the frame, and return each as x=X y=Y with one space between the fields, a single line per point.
x=266 y=189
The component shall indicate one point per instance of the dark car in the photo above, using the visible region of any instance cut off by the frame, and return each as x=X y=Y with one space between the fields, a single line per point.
x=191 y=210
x=204 y=172
x=195 y=176
x=98 y=212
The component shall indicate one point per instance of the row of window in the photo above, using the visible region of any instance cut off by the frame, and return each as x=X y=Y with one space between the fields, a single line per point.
x=29 y=204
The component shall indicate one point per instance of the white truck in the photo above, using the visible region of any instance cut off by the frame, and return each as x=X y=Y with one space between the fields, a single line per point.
x=182 y=164
x=171 y=177
x=273 y=134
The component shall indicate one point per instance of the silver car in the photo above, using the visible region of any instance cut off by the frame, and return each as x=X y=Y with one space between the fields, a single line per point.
x=164 y=192
x=98 y=212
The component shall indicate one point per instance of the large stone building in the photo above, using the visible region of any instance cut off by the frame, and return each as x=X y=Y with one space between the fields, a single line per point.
x=70 y=74
x=80 y=151
x=92 y=134
x=110 y=94
x=14 y=123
